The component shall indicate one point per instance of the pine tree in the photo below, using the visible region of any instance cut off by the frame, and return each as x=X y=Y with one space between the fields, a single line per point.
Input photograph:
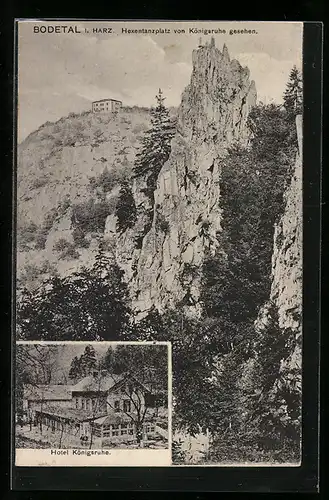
x=156 y=144
x=75 y=368
x=293 y=95
x=88 y=360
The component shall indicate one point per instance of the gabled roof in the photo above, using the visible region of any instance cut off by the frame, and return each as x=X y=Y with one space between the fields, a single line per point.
x=48 y=392
x=97 y=384
x=104 y=383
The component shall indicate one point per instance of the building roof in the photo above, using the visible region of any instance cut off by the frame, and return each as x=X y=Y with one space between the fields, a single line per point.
x=96 y=384
x=108 y=99
x=48 y=392
x=88 y=384
x=70 y=413
x=104 y=383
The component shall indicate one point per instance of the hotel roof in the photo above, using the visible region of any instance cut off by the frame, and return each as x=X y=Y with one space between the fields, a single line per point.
x=104 y=383
x=48 y=392
x=97 y=384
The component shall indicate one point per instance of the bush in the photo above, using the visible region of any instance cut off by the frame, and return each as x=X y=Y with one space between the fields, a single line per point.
x=39 y=182
x=90 y=216
x=67 y=250
x=61 y=245
x=140 y=127
x=40 y=241
x=107 y=180
x=79 y=238
x=50 y=219
x=26 y=234
x=70 y=253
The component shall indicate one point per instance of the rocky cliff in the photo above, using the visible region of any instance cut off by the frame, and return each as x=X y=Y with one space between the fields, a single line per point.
x=163 y=270
x=68 y=178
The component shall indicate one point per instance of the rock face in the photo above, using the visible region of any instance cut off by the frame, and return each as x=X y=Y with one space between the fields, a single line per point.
x=287 y=256
x=186 y=214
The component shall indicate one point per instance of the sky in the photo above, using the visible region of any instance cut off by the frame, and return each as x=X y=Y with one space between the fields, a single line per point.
x=60 y=73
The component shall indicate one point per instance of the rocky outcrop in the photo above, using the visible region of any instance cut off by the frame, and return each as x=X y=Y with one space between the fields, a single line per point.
x=62 y=159
x=186 y=213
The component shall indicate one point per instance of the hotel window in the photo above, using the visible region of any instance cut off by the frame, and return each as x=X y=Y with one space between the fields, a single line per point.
x=116 y=405
x=124 y=429
x=83 y=404
x=115 y=430
x=127 y=405
x=131 y=429
x=76 y=402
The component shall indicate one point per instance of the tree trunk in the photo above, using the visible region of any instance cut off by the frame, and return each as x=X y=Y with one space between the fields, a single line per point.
x=139 y=435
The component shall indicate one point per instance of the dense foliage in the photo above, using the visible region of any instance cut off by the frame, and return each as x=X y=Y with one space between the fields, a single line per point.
x=252 y=412
x=252 y=185
x=90 y=304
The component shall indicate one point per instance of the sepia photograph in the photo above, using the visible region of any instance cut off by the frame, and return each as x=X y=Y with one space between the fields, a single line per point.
x=100 y=396
x=159 y=199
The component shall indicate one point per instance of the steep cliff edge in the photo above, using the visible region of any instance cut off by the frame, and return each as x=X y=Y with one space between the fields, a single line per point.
x=186 y=214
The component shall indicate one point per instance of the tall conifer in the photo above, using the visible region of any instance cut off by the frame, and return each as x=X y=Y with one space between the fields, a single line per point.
x=156 y=143
x=293 y=95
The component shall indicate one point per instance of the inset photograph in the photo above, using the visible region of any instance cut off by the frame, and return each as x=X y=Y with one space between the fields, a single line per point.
x=79 y=399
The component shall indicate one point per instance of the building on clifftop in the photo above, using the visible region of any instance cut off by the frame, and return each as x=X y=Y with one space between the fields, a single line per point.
x=107 y=106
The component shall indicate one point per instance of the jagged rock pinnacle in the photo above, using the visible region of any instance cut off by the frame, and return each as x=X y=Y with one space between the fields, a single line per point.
x=212 y=115
x=225 y=52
